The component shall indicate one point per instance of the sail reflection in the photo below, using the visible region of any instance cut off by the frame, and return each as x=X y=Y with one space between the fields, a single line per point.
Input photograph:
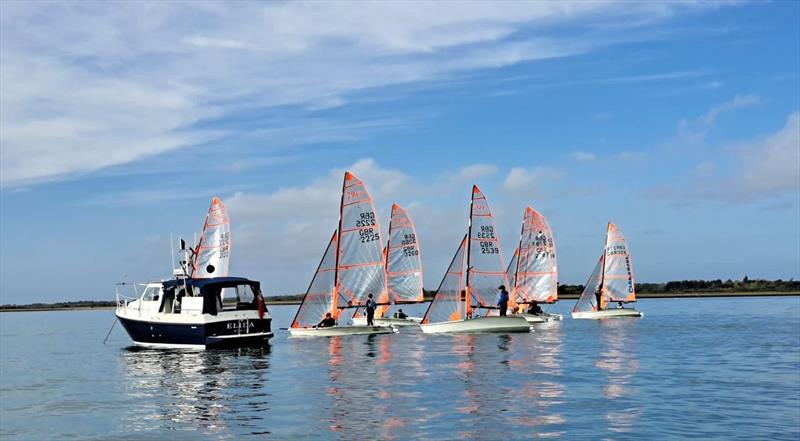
x=361 y=388
x=540 y=372
x=618 y=360
x=205 y=389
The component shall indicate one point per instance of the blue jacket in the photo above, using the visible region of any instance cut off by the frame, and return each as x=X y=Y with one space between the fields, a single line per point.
x=502 y=298
x=370 y=304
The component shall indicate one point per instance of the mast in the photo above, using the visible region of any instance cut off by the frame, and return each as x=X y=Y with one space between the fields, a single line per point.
x=519 y=253
x=467 y=299
x=335 y=293
x=602 y=303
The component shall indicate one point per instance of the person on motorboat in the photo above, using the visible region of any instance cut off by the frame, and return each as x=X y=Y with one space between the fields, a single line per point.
x=400 y=314
x=370 y=310
x=502 y=300
x=327 y=322
x=534 y=308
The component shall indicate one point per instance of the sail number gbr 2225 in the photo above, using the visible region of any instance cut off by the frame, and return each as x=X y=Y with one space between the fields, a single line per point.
x=365 y=222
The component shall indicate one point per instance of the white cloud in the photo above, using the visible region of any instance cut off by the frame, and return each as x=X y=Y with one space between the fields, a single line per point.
x=765 y=168
x=738 y=102
x=530 y=181
x=770 y=166
x=85 y=88
x=584 y=156
x=477 y=171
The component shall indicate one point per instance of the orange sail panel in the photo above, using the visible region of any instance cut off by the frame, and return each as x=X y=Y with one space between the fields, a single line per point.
x=404 y=265
x=537 y=271
x=588 y=300
x=212 y=254
x=618 y=284
x=319 y=296
x=447 y=304
x=360 y=263
x=485 y=263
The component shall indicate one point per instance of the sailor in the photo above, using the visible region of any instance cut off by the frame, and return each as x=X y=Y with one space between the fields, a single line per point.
x=400 y=314
x=502 y=300
x=327 y=322
x=597 y=295
x=534 y=308
x=619 y=305
x=370 y=310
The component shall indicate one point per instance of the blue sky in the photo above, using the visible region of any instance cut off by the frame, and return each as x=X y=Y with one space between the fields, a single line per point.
x=119 y=122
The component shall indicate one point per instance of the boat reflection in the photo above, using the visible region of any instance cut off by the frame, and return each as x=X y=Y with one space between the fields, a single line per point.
x=362 y=393
x=618 y=360
x=539 y=371
x=198 y=389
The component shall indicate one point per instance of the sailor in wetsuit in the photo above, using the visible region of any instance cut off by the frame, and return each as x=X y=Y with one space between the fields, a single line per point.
x=534 y=308
x=400 y=314
x=327 y=322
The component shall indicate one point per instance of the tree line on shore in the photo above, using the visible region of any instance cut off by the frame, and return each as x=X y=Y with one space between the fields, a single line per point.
x=679 y=286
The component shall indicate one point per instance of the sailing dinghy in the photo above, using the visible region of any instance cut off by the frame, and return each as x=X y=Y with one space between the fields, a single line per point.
x=452 y=310
x=351 y=268
x=533 y=271
x=611 y=281
x=403 y=273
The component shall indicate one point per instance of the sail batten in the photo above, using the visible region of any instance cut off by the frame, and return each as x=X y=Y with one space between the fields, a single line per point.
x=211 y=256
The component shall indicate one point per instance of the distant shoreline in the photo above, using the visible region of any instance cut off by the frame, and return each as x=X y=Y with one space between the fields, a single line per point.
x=27 y=308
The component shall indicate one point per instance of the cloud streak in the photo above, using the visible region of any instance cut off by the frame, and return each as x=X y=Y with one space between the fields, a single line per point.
x=88 y=86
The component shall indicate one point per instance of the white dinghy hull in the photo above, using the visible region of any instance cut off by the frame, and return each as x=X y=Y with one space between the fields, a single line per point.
x=608 y=313
x=479 y=325
x=334 y=331
x=388 y=321
x=543 y=318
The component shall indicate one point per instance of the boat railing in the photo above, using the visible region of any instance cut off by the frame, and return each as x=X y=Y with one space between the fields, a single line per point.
x=123 y=301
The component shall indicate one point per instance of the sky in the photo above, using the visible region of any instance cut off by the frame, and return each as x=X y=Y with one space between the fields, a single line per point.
x=119 y=121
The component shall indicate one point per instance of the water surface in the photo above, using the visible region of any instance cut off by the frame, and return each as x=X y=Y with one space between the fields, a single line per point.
x=721 y=368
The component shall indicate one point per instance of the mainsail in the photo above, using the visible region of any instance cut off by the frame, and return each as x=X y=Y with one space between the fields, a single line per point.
x=511 y=274
x=403 y=262
x=485 y=268
x=319 y=296
x=588 y=300
x=447 y=304
x=360 y=268
x=617 y=269
x=537 y=271
x=212 y=254
x=612 y=277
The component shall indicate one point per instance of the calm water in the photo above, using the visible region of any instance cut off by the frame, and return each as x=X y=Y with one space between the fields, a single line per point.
x=705 y=368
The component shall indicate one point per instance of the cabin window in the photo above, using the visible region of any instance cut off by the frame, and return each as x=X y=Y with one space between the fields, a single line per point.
x=245 y=294
x=229 y=297
x=151 y=293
